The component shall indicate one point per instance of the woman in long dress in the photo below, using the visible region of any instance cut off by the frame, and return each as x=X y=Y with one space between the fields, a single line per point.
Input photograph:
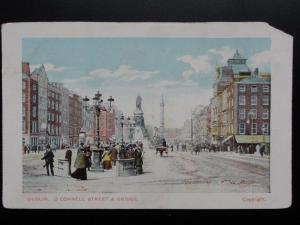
x=106 y=160
x=80 y=165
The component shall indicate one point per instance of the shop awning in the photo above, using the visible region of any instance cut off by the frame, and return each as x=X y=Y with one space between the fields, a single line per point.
x=252 y=139
x=227 y=139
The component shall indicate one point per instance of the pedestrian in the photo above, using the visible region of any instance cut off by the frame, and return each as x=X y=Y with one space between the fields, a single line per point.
x=172 y=148
x=106 y=160
x=262 y=150
x=39 y=148
x=80 y=165
x=68 y=157
x=114 y=154
x=48 y=157
x=138 y=161
x=122 y=152
x=88 y=154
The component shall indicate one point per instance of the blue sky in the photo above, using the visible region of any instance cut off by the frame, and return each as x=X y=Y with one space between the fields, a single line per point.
x=180 y=68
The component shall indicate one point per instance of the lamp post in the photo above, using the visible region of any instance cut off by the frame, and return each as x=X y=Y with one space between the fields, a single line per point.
x=265 y=132
x=110 y=99
x=122 y=125
x=96 y=107
x=130 y=126
x=251 y=115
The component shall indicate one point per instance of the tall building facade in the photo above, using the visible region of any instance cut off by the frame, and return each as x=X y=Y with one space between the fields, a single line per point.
x=34 y=108
x=239 y=111
x=40 y=75
x=252 y=114
x=54 y=114
x=26 y=103
x=64 y=113
x=75 y=118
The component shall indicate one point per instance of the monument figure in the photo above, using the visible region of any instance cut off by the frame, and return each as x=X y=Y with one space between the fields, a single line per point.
x=138 y=103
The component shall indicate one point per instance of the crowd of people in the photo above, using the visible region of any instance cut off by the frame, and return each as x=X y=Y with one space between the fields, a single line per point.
x=27 y=149
x=83 y=161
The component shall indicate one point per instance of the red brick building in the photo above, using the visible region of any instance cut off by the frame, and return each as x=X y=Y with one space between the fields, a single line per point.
x=252 y=97
x=25 y=103
x=107 y=125
x=75 y=118
x=34 y=108
x=53 y=115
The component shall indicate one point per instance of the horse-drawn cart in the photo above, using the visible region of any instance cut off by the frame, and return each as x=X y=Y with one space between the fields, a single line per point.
x=161 y=150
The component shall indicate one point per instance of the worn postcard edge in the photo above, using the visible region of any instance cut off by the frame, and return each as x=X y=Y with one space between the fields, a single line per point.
x=281 y=104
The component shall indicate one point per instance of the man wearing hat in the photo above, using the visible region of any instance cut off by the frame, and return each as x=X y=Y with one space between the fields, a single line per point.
x=48 y=157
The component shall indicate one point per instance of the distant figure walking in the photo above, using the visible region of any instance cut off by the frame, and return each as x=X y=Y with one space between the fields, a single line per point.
x=262 y=150
x=68 y=157
x=48 y=157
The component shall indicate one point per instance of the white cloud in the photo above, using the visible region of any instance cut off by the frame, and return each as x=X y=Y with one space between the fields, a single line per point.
x=48 y=67
x=174 y=83
x=199 y=63
x=124 y=72
x=260 y=59
x=224 y=52
x=187 y=74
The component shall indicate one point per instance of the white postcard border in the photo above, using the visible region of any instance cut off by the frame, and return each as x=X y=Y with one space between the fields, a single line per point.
x=281 y=114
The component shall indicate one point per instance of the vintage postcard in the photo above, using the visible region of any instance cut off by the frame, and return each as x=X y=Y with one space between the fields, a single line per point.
x=146 y=115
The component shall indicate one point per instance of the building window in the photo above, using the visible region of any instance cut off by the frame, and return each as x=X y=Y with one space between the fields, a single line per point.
x=34 y=98
x=23 y=97
x=242 y=88
x=24 y=85
x=253 y=100
x=242 y=100
x=254 y=88
x=33 y=111
x=253 y=128
x=34 y=87
x=265 y=114
x=52 y=115
x=242 y=128
x=253 y=114
x=266 y=100
x=49 y=117
x=266 y=89
x=242 y=114
x=265 y=128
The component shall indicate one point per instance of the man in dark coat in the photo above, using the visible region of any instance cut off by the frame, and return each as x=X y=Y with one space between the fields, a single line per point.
x=68 y=157
x=48 y=157
x=138 y=161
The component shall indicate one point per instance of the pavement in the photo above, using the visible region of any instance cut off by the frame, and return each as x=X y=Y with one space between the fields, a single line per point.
x=177 y=172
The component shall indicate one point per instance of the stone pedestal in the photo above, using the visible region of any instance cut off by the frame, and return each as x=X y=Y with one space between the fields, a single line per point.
x=125 y=167
x=63 y=167
x=96 y=164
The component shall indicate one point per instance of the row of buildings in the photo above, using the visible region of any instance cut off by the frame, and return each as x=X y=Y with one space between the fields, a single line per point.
x=239 y=110
x=52 y=114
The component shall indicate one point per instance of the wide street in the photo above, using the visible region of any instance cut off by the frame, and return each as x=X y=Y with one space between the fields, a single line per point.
x=177 y=172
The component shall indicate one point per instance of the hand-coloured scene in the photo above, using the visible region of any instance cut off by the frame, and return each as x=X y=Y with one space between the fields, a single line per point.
x=146 y=115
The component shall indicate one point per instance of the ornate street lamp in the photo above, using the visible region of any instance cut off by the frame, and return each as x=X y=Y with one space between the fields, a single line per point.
x=122 y=125
x=251 y=115
x=110 y=99
x=96 y=107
